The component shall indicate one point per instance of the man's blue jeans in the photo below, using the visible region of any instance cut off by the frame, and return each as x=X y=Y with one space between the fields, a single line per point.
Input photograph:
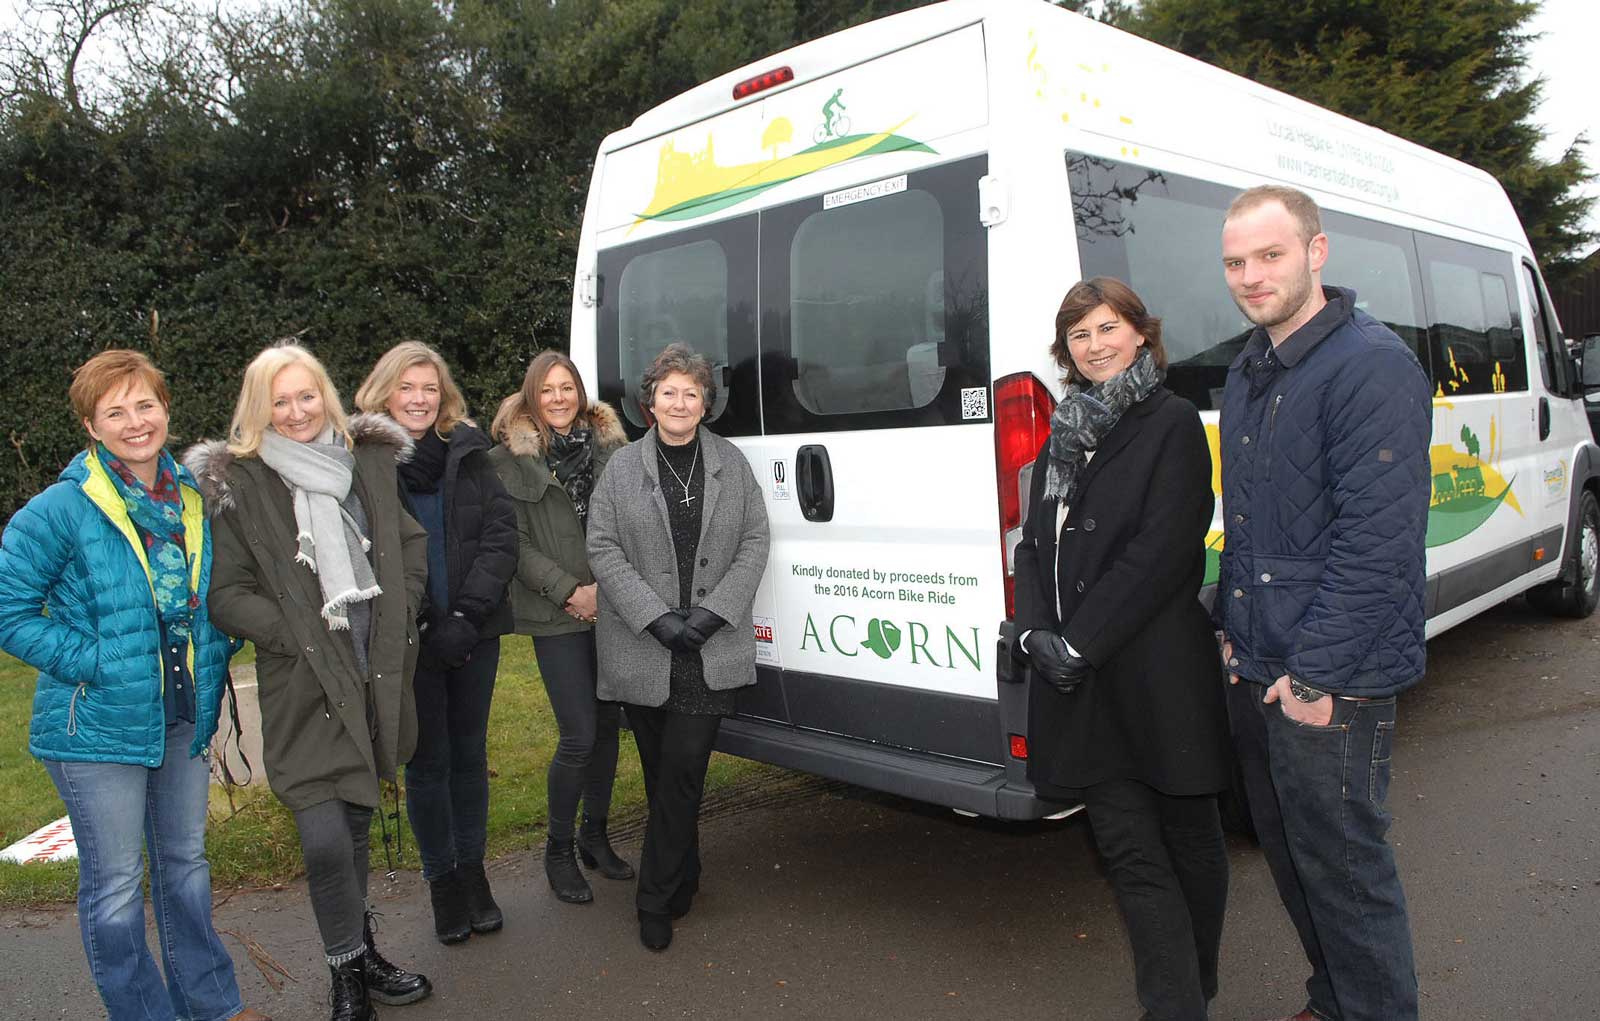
x=117 y=810
x=1317 y=797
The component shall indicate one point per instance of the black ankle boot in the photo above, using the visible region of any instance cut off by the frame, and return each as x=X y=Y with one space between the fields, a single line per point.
x=561 y=868
x=451 y=922
x=348 y=994
x=387 y=983
x=594 y=847
x=483 y=912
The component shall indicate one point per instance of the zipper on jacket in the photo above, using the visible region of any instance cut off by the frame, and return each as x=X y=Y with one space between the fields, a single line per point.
x=72 y=710
x=1266 y=439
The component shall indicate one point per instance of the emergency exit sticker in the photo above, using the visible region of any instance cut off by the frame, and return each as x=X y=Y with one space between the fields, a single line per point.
x=778 y=474
x=864 y=192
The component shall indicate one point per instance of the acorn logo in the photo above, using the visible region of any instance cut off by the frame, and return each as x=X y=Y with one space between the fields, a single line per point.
x=883 y=638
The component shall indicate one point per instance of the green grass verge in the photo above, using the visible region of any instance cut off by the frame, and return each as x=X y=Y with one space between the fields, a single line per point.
x=251 y=839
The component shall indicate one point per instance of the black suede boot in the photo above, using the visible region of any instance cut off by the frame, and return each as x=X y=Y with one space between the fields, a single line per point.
x=347 y=996
x=561 y=868
x=387 y=983
x=594 y=847
x=451 y=923
x=483 y=912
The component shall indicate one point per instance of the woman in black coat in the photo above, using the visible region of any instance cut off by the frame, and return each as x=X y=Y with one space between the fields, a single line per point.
x=1125 y=706
x=452 y=490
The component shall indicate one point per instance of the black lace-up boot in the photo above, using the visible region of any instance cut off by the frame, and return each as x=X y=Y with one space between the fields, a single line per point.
x=347 y=997
x=387 y=983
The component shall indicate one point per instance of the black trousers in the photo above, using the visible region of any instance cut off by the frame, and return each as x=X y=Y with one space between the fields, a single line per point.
x=585 y=764
x=1168 y=866
x=674 y=751
x=447 y=779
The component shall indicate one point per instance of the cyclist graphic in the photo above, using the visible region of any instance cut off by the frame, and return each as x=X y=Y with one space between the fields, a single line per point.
x=834 y=123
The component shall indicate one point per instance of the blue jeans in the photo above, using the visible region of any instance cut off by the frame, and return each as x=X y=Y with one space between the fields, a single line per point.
x=117 y=811
x=1317 y=797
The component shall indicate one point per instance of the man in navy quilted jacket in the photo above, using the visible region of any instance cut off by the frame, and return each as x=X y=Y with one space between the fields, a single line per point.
x=1326 y=422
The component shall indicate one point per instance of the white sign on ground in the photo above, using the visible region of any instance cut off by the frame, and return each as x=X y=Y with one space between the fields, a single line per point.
x=48 y=843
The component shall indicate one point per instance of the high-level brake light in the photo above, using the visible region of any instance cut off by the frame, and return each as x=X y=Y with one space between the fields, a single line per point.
x=1022 y=423
x=762 y=82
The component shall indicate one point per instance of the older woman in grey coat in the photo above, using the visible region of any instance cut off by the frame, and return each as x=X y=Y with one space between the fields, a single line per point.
x=678 y=543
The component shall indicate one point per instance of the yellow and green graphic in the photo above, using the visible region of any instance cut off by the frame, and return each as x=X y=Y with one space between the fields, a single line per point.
x=1466 y=487
x=694 y=184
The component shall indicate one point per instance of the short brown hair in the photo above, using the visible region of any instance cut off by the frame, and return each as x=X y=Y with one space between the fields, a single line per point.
x=678 y=357
x=109 y=370
x=525 y=402
x=1307 y=217
x=1088 y=295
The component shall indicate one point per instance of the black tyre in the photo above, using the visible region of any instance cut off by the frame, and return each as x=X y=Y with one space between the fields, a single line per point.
x=1578 y=597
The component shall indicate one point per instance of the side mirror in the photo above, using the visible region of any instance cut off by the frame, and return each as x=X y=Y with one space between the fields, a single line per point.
x=1590 y=357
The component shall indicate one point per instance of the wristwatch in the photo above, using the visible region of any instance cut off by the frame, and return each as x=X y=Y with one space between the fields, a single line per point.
x=1305 y=693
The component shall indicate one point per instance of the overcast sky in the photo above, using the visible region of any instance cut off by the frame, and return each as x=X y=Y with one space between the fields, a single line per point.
x=1566 y=56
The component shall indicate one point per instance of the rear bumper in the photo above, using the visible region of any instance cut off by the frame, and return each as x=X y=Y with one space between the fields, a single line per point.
x=977 y=787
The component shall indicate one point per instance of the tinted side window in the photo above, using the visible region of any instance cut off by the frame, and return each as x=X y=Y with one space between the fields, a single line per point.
x=698 y=287
x=1162 y=234
x=875 y=312
x=1552 y=364
x=1473 y=328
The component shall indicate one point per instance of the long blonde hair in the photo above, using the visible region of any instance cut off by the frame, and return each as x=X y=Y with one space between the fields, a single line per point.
x=525 y=402
x=252 y=416
x=385 y=376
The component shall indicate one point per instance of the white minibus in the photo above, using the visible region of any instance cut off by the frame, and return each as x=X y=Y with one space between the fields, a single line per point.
x=869 y=235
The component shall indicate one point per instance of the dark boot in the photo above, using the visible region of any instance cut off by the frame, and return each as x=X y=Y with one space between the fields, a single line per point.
x=594 y=847
x=348 y=995
x=385 y=982
x=481 y=909
x=561 y=868
x=655 y=931
x=451 y=923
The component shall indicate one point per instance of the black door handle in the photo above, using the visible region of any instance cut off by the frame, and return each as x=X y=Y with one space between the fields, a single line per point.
x=814 y=478
x=1544 y=418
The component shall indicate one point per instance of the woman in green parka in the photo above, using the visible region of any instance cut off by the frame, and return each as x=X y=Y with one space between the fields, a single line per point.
x=552 y=445
x=318 y=565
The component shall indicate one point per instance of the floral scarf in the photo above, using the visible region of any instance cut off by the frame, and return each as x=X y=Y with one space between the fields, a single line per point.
x=157 y=514
x=571 y=461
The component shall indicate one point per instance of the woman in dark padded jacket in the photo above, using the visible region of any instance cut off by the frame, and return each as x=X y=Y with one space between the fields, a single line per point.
x=450 y=488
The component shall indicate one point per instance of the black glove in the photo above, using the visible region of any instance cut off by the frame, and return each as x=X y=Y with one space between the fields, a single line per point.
x=451 y=640
x=667 y=628
x=698 y=626
x=1054 y=663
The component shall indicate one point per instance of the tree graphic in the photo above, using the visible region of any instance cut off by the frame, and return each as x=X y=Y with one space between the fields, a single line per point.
x=1472 y=443
x=777 y=133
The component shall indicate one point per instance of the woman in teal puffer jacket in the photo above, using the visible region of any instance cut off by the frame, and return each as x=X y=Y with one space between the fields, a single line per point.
x=106 y=576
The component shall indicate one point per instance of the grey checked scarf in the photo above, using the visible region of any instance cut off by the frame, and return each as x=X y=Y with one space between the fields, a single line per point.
x=1086 y=414
x=319 y=476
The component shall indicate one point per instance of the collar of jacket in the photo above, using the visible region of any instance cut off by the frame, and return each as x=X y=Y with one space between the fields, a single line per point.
x=1125 y=430
x=1340 y=307
x=89 y=474
x=523 y=440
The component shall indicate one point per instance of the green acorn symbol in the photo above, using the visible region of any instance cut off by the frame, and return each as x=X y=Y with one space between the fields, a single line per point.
x=882 y=638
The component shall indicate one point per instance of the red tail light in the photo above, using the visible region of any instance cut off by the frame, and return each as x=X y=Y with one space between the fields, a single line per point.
x=761 y=82
x=1022 y=424
x=1019 y=746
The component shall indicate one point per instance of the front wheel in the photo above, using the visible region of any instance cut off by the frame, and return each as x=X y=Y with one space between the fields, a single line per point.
x=1578 y=597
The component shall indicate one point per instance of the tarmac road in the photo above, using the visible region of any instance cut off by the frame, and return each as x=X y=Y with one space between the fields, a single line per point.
x=824 y=901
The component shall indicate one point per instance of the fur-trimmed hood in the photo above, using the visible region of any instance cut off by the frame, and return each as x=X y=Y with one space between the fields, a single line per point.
x=523 y=438
x=210 y=461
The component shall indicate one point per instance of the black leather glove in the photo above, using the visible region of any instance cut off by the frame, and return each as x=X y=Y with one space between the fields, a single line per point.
x=667 y=628
x=699 y=625
x=451 y=639
x=1054 y=663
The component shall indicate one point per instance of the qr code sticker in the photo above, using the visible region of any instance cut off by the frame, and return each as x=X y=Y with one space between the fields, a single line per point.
x=974 y=402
